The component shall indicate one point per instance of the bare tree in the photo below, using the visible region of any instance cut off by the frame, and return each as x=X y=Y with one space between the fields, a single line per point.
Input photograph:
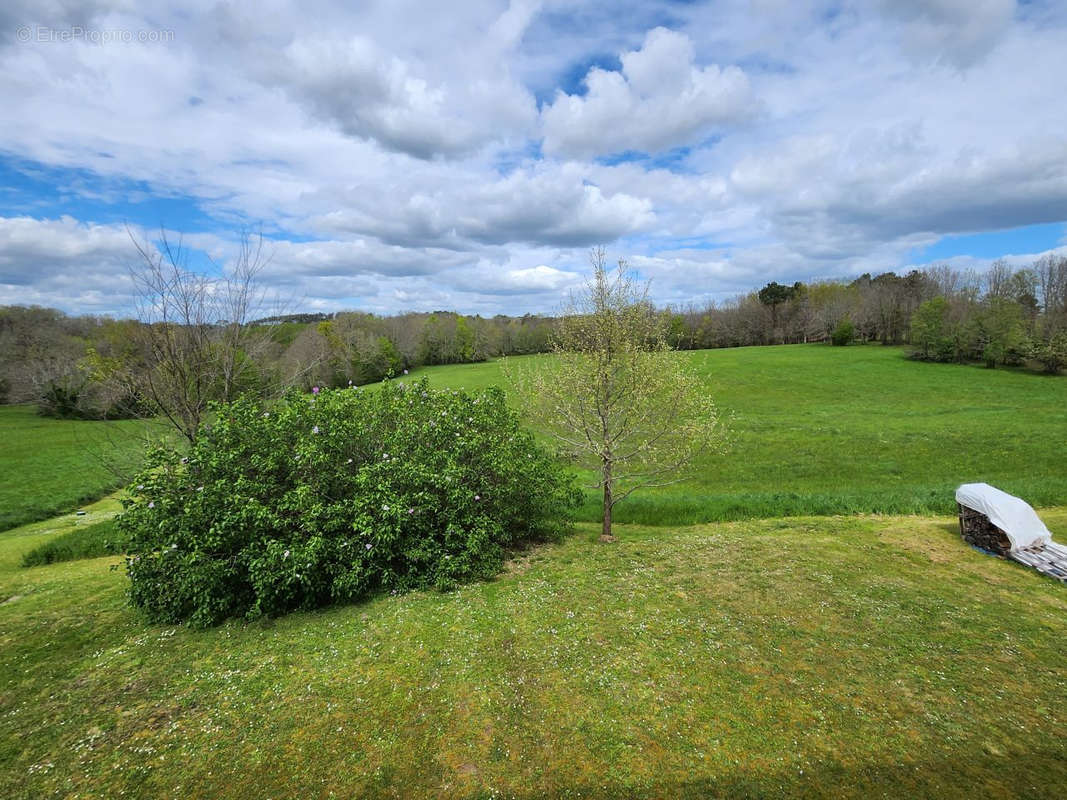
x=195 y=342
x=615 y=395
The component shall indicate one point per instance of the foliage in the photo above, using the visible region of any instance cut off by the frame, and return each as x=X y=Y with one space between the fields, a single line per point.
x=844 y=333
x=332 y=496
x=1051 y=351
x=60 y=400
x=92 y=541
x=615 y=397
x=1000 y=333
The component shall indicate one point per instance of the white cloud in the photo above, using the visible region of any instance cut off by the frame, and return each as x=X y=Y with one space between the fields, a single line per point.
x=404 y=138
x=370 y=93
x=659 y=100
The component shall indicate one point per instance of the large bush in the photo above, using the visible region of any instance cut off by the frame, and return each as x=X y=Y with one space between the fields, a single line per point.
x=332 y=496
x=843 y=334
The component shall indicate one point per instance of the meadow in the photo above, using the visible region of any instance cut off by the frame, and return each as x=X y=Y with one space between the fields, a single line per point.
x=844 y=430
x=844 y=657
x=867 y=655
x=49 y=466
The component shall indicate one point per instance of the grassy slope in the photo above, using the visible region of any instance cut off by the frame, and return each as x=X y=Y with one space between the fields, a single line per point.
x=821 y=430
x=50 y=466
x=852 y=657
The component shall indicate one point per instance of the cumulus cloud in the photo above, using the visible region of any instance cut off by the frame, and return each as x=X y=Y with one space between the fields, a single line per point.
x=660 y=99
x=397 y=155
x=546 y=205
x=370 y=93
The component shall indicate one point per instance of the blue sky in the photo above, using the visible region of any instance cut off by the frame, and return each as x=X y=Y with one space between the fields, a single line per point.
x=406 y=155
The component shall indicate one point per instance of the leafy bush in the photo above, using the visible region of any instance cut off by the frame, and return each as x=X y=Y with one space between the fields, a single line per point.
x=1051 y=352
x=844 y=333
x=92 y=541
x=61 y=400
x=333 y=496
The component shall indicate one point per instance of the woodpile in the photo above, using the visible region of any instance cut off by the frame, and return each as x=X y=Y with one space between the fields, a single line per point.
x=977 y=530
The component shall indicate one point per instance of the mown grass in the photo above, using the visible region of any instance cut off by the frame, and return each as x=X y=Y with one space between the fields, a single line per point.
x=845 y=657
x=101 y=538
x=49 y=466
x=830 y=430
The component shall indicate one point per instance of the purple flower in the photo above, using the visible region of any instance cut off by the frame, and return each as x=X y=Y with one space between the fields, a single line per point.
x=411 y=511
x=315 y=429
x=151 y=504
x=368 y=545
x=477 y=497
x=314 y=389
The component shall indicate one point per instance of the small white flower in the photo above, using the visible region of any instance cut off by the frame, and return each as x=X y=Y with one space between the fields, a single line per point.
x=315 y=429
x=477 y=497
x=200 y=488
x=285 y=554
x=385 y=508
x=151 y=503
x=140 y=486
x=368 y=545
x=349 y=461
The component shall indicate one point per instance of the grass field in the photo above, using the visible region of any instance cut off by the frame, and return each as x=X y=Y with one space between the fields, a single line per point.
x=846 y=657
x=816 y=430
x=841 y=430
x=49 y=466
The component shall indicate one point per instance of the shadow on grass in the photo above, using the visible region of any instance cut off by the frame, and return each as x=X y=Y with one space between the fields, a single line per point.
x=986 y=771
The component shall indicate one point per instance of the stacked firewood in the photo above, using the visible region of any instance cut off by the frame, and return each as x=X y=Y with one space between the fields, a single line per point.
x=977 y=530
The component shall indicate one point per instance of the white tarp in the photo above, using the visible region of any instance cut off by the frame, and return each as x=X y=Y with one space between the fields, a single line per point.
x=1009 y=513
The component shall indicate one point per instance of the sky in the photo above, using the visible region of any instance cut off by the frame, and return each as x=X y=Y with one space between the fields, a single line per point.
x=467 y=155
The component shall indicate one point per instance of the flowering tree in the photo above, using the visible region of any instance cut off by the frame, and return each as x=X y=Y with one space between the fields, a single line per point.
x=615 y=395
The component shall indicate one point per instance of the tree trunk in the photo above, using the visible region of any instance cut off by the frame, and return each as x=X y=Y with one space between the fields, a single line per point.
x=605 y=532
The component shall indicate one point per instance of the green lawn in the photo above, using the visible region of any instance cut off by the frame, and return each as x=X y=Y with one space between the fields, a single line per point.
x=845 y=657
x=49 y=466
x=841 y=430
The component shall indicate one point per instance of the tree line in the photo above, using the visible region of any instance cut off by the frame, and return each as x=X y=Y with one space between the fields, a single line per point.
x=198 y=339
x=1002 y=316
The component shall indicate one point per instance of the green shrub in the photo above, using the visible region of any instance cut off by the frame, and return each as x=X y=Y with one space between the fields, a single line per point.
x=92 y=541
x=843 y=334
x=1051 y=352
x=329 y=497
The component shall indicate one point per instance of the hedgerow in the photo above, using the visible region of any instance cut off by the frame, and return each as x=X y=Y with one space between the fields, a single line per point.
x=332 y=496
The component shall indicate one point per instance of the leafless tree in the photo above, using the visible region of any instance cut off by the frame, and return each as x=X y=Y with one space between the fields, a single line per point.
x=194 y=341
